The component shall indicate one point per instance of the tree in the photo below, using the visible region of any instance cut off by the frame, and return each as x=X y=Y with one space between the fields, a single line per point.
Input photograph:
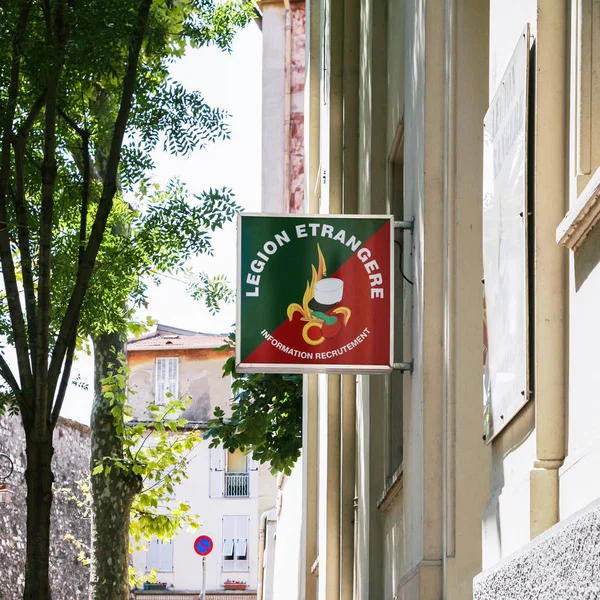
x=84 y=97
x=266 y=418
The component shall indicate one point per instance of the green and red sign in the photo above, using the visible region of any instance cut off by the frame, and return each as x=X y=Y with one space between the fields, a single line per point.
x=314 y=294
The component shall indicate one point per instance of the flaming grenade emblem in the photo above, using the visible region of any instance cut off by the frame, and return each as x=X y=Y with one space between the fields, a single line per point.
x=324 y=318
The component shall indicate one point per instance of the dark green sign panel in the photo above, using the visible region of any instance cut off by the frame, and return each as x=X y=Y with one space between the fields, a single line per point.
x=314 y=293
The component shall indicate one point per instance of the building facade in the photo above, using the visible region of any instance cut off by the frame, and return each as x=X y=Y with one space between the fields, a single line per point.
x=228 y=491
x=457 y=479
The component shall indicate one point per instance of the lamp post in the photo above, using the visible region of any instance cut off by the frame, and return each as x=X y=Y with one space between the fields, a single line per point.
x=6 y=470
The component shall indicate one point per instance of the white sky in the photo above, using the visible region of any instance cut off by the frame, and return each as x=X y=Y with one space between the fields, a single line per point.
x=231 y=82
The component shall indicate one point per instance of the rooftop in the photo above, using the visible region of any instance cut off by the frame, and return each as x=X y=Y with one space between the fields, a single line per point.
x=170 y=338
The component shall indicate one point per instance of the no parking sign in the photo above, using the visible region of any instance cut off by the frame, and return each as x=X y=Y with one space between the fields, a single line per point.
x=203 y=545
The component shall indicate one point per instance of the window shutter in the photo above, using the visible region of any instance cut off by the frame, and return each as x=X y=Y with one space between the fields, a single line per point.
x=229 y=523
x=241 y=549
x=215 y=484
x=153 y=556
x=161 y=381
x=166 y=556
x=242 y=529
x=253 y=476
x=173 y=376
x=167 y=378
x=235 y=542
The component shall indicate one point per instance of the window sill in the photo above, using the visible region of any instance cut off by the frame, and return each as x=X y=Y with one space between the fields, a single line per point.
x=580 y=219
x=391 y=490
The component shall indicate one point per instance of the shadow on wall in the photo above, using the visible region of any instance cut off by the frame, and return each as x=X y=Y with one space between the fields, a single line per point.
x=587 y=257
x=199 y=391
x=509 y=440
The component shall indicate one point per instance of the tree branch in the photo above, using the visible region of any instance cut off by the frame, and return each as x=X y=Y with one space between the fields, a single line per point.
x=64 y=382
x=7 y=375
x=6 y=259
x=85 y=200
x=32 y=116
x=109 y=189
x=23 y=224
x=44 y=392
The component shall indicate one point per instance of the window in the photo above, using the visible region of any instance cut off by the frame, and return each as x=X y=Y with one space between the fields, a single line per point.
x=167 y=378
x=235 y=543
x=237 y=477
x=159 y=556
x=232 y=474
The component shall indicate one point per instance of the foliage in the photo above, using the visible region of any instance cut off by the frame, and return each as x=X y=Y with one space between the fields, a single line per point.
x=266 y=418
x=89 y=103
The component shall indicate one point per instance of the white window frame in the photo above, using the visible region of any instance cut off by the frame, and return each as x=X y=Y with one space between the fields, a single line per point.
x=235 y=539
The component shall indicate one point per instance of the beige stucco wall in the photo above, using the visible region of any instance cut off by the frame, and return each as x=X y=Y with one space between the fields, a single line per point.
x=578 y=484
x=430 y=532
x=200 y=377
x=507 y=519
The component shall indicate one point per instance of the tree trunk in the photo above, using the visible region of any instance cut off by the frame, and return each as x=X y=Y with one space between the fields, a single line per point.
x=39 y=478
x=112 y=495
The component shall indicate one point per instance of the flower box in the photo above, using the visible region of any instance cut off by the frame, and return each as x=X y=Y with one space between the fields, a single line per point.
x=154 y=586
x=235 y=586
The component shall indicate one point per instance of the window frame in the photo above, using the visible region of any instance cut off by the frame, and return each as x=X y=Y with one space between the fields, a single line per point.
x=236 y=565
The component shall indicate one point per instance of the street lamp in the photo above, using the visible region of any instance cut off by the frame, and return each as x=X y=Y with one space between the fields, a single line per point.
x=6 y=470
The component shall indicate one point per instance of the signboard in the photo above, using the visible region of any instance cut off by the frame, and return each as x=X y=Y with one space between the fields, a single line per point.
x=203 y=545
x=505 y=252
x=314 y=294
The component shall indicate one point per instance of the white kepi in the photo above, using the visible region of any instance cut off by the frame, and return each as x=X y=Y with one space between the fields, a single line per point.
x=328 y=292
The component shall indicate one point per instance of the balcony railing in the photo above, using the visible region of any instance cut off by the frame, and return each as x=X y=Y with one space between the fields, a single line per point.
x=237 y=485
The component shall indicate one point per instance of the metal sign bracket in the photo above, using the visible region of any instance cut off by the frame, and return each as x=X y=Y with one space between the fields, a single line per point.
x=404 y=367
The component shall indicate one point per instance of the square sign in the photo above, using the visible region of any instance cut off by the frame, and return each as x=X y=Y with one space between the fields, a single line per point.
x=315 y=294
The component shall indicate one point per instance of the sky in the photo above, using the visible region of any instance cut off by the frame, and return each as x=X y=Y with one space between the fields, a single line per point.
x=231 y=82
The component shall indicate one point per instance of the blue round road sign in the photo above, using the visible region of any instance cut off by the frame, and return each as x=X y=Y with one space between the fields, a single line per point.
x=203 y=545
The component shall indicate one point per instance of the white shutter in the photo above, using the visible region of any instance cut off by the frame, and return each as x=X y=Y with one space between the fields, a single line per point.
x=215 y=484
x=159 y=556
x=161 y=381
x=153 y=555
x=165 y=563
x=228 y=546
x=235 y=543
x=241 y=549
x=253 y=476
x=242 y=529
x=167 y=378
x=173 y=376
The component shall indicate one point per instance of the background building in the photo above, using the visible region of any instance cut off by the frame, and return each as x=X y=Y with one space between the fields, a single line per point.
x=229 y=491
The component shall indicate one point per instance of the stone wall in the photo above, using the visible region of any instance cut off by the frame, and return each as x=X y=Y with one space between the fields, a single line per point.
x=561 y=564
x=69 y=577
